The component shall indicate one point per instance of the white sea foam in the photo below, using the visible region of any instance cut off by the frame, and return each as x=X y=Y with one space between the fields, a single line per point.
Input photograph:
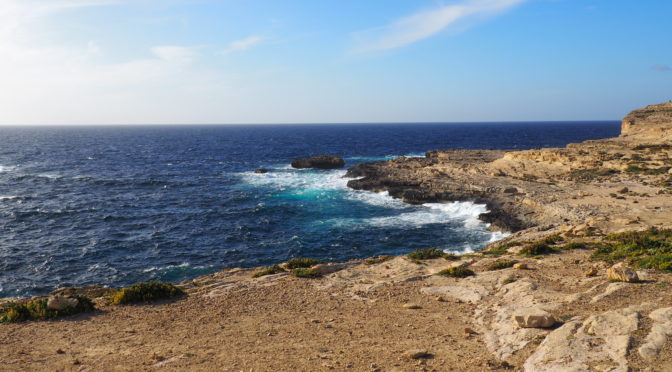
x=6 y=168
x=406 y=215
x=156 y=268
x=298 y=180
x=8 y=197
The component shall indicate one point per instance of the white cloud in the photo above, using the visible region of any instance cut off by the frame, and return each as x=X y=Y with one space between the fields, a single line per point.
x=174 y=53
x=243 y=44
x=428 y=23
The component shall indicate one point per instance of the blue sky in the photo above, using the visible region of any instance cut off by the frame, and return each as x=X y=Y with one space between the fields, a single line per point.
x=270 y=61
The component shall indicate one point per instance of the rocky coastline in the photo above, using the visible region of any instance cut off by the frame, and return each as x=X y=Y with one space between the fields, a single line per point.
x=583 y=283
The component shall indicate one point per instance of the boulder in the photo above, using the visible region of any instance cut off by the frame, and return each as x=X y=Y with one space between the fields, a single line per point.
x=520 y=266
x=533 y=318
x=320 y=162
x=61 y=302
x=622 y=273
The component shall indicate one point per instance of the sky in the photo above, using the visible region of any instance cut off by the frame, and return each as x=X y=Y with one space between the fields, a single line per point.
x=330 y=61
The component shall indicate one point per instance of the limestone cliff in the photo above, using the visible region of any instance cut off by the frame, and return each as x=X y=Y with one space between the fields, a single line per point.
x=650 y=122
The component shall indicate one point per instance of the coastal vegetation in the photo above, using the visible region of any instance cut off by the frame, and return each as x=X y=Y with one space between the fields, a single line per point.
x=536 y=249
x=271 y=270
x=145 y=292
x=426 y=254
x=456 y=272
x=648 y=249
x=377 y=260
x=296 y=263
x=499 y=265
x=37 y=309
x=306 y=273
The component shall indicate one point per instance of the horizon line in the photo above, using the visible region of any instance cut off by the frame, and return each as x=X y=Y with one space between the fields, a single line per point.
x=309 y=123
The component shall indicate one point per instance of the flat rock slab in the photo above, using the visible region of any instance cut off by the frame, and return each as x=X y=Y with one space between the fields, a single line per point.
x=602 y=339
x=661 y=330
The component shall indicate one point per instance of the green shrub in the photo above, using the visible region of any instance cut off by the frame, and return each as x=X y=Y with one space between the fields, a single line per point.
x=36 y=309
x=425 y=254
x=574 y=245
x=553 y=239
x=275 y=269
x=648 y=249
x=536 y=249
x=377 y=260
x=145 y=292
x=296 y=263
x=303 y=272
x=451 y=257
x=499 y=265
x=456 y=272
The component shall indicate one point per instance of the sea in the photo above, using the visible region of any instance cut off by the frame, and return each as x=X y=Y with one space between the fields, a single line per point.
x=115 y=205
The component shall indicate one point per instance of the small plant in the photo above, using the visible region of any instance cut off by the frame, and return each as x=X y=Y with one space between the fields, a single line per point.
x=451 y=257
x=305 y=273
x=275 y=269
x=145 y=292
x=377 y=260
x=536 y=249
x=426 y=254
x=37 y=309
x=456 y=272
x=296 y=263
x=509 y=280
x=573 y=245
x=499 y=265
x=553 y=239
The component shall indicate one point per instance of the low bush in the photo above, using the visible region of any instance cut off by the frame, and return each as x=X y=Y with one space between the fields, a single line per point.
x=499 y=265
x=377 y=260
x=275 y=269
x=305 y=273
x=145 y=292
x=536 y=249
x=296 y=263
x=426 y=254
x=36 y=309
x=456 y=272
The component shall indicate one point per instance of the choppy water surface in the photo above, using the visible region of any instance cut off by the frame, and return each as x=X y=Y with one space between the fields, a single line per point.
x=117 y=205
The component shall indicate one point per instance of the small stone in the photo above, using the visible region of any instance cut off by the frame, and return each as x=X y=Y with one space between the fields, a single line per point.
x=60 y=351
x=520 y=266
x=624 y=190
x=411 y=306
x=61 y=303
x=468 y=331
x=415 y=354
x=622 y=273
x=590 y=272
x=439 y=299
x=533 y=318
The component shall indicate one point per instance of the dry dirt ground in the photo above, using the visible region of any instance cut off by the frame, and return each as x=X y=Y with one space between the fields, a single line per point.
x=353 y=319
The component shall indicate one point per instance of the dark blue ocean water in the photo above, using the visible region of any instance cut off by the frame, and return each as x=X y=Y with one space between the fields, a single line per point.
x=117 y=205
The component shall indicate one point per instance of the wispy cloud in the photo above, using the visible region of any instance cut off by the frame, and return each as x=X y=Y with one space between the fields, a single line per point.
x=662 y=67
x=427 y=23
x=243 y=44
x=175 y=53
